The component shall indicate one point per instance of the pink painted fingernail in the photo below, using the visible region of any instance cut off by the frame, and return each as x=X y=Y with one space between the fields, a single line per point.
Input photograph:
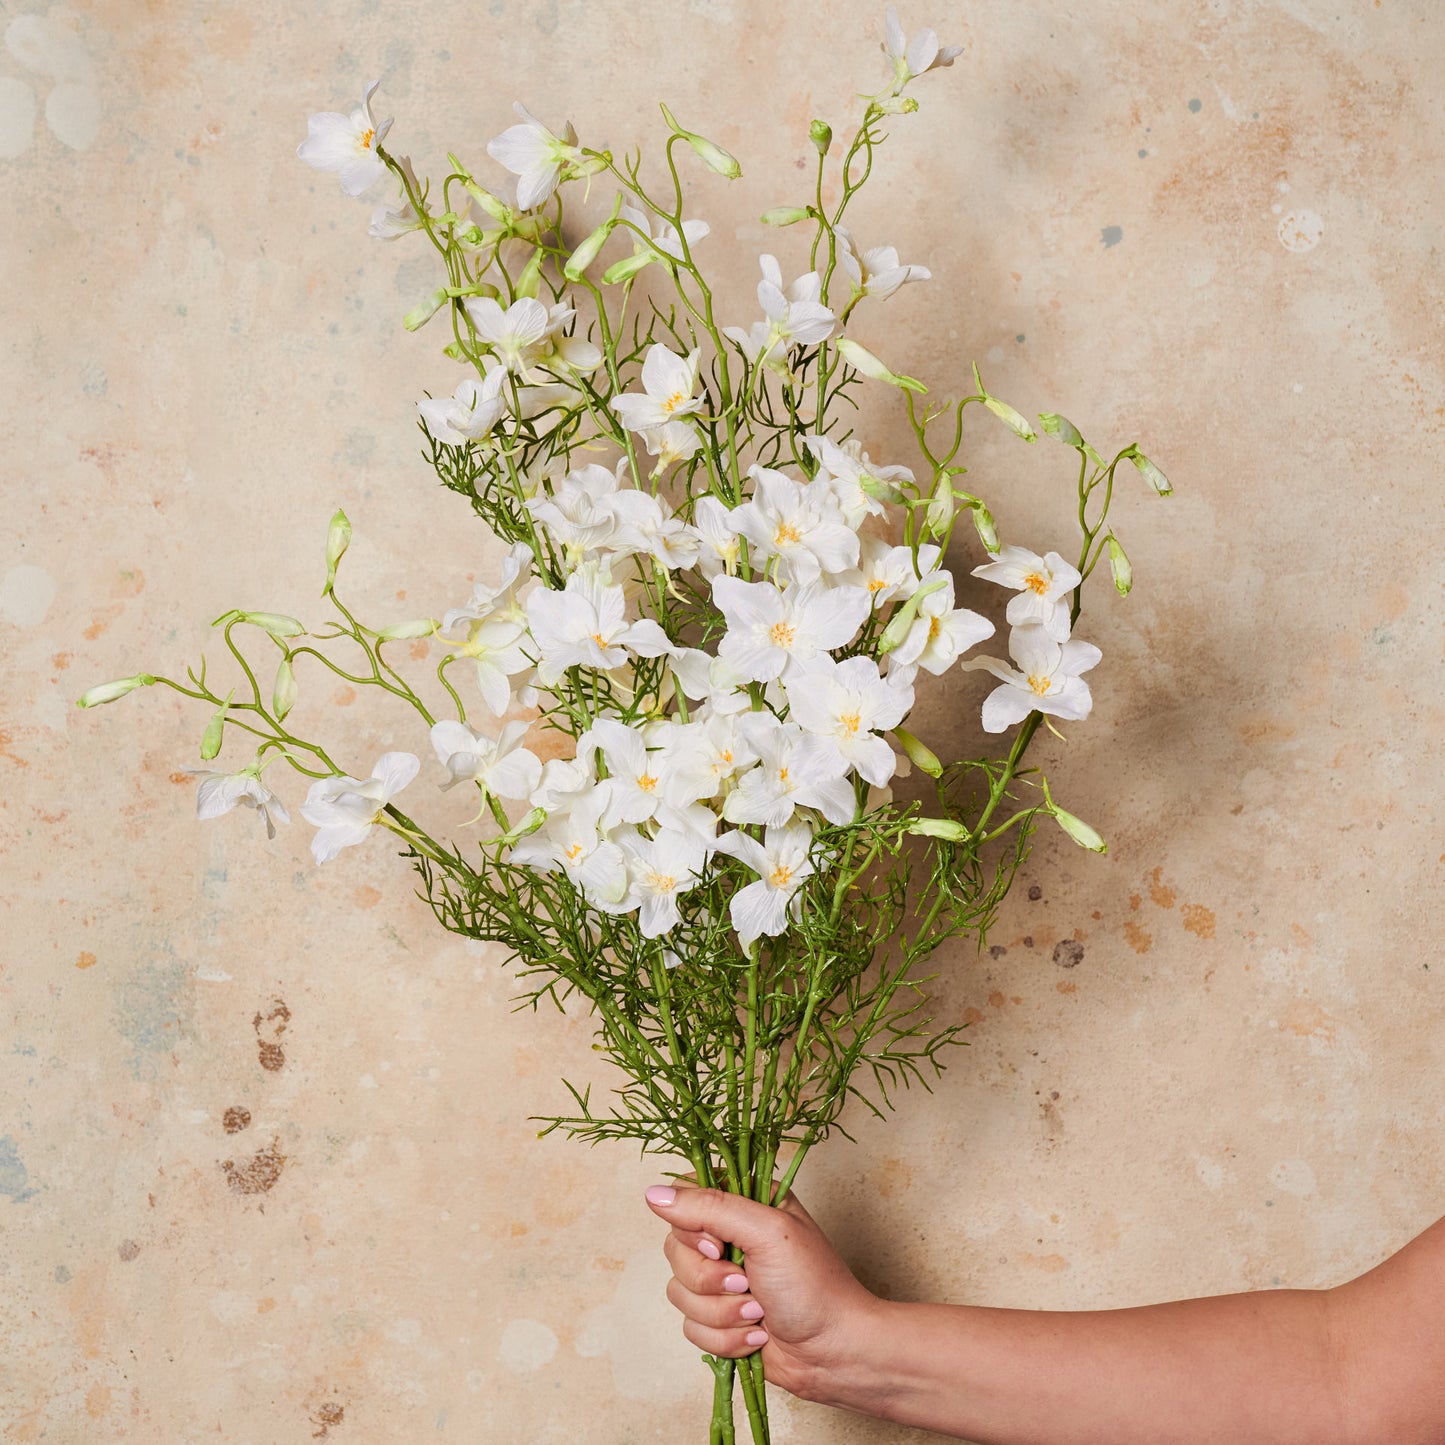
x=736 y=1284
x=661 y=1195
x=707 y=1247
x=756 y=1337
x=752 y=1310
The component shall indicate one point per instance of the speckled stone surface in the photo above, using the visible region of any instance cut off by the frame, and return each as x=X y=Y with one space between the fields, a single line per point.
x=266 y=1167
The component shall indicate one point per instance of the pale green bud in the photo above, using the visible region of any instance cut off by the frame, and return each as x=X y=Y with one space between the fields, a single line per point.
x=861 y=359
x=628 y=267
x=785 y=215
x=713 y=156
x=1015 y=421
x=529 y=824
x=283 y=693
x=215 y=730
x=276 y=623
x=938 y=828
x=880 y=490
x=419 y=315
x=821 y=134
x=1061 y=427
x=1150 y=472
x=919 y=755
x=108 y=691
x=405 y=631
x=1080 y=831
x=983 y=523
x=497 y=209
x=939 y=516
x=1119 y=566
x=902 y=620
x=586 y=253
x=529 y=283
x=338 y=539
x=896 y=105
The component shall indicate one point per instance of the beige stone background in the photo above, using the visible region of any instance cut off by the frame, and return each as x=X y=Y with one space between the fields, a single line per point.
x=1211 y=227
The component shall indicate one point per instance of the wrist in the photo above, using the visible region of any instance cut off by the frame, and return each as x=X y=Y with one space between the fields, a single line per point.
x=859 y=1372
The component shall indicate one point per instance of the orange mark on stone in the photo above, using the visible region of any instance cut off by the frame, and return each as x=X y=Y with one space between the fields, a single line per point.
x=270 y=1054
x=7 y=749
x=258 y=1174
x=419 y=649
x=1307 y=1020
x=894 y=1177
x=605 y=1261
x=325 y=1417
x=1096 y=914
x=997 y=999
x=1393 y=600
x=86 y=960
x=236 y=1118
x=181 y=780
x=1049 y=1263
x=518 y=1229
x=973 y=1016
x=1064 y=987
x=1301 y=938
x=128 y=584
x=366 y=896
x=1139 y=939
x=97 y=1401
x=265 y=1306
x=1198 y=919
x=127 y=1249
x=344 y=696
x=1134 y=901
x=1265 y=730
x=60 y=661
x=1160 y=892
x=100 y=620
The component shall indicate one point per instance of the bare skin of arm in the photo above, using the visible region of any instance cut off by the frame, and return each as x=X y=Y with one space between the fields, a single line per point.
x=1360 y=1364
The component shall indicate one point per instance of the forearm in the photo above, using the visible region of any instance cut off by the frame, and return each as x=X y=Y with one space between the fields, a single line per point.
x=1243 y=1369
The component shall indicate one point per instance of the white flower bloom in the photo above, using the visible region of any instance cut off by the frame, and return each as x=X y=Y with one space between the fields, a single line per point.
x=347 y=145
x=1043 y=584
x=500 y=765
x=701 y=758
x=847 y=469
x=344 y=808
x=771 y=632
x=847 y=704
x=658 y=870
x=1046 y=679
x=635 y=772
x=499 y=601
x=798 y=523
x=674 y=442
x=782 y=863
x=494 y=644
x=643 y=526
x=939 y=633
x=665 y=239
x=668 y=382
x=796 y=770
x=469 y=413
x=535 y=155
x=914 y=57
x=701 y=675
x=576 y=843
x=579 y=512
x=794 y=316
x=564 y=783
x=875 y=272
x=564 y=354
x=397 y=217
x=887 y=572
x=220 y=792
x=719 y=550
x=586 y=623
x=518 y=336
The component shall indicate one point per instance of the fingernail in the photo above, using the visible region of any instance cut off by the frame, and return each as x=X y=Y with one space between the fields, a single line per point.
x=707 y=1247
x=660 y=1194
x=752 y=1310
x=736 y=1283
x=756 y=1337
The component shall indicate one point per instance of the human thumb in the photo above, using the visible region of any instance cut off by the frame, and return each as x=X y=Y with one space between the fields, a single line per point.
x=743 y=1222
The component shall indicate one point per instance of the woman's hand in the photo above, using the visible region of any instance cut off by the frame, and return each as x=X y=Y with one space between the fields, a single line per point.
x=793 y=1297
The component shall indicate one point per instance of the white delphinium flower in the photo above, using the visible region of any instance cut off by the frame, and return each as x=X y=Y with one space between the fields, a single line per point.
x=501 y=765
x=1043 y=584
x=795 y=770
x=672 y=443
x=397 y=217
x=1045 y=680
x=494 y=645
x=469 y=413
x=499 y=601
x=576 y=842
x=798 y=523
x=701 y=675
x=561 y=353
x=517 y=336
x=579 y=512
x=564 y=783
x=536 y=156
x=782 y=863
x=796 y=315
x=851 y=473
x=659 y=869
x=701 y=758
x=719 y=551
x=219 y=792
x=911 y=58
x=635 y=772
x=940 y=632
x=644 y=526
x=665 y=238
x=347 y=144
x=876 y=271
x=669 y=382
x=586 y=623
x=847 y=704
x=887 y=571
x=344 y=808
x=771 y=632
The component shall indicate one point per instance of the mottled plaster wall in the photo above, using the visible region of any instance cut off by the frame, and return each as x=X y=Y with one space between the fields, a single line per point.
x=266 y=1171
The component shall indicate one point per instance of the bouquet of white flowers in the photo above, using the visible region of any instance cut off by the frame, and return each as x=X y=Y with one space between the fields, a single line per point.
x=678 y=709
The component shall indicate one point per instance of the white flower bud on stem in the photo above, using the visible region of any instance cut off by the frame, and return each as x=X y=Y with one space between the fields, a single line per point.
x=1149 y=471
x=109 y=691
x=1119 y=566
x=338 y=539
x=861 y=359
x=918 y=754
x=283 y=692
x=713 y=156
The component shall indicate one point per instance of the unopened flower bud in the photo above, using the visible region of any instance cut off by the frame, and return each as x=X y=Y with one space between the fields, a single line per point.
x=404 y=631
x=918 y=754
x=496 y=208
x=419 y=315
x=529 y=283
x=529 y=824
x=1061 y=427
x=1015 y=421
x=821 y=134
x=586 y=253
x=938 y=828
x=338 y=539
x=785 y=215
x=861 y=359
x=215 y=731
x=628 y=267
x=108 y=691
x=880 y=490
x=1150 y=472
x=902 y=620
x=283 y=693
x=1079 y=831
x=711 y=154
x=276 y=623
x=1119 y=566
x=896 y=105
x=983 y=524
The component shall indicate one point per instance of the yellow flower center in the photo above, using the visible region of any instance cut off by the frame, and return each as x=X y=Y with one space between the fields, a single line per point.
x=781 y=634
x=647 y=782
x=598 y=638
x=1040 y=685
x=780 y=876
x=364 y=140
x=877 y=584
x=575 y=852
x=849 y=723
x=671 y=403
x=1036 y=582
x=935 y=626
x=787 y=535
x=661 y=882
